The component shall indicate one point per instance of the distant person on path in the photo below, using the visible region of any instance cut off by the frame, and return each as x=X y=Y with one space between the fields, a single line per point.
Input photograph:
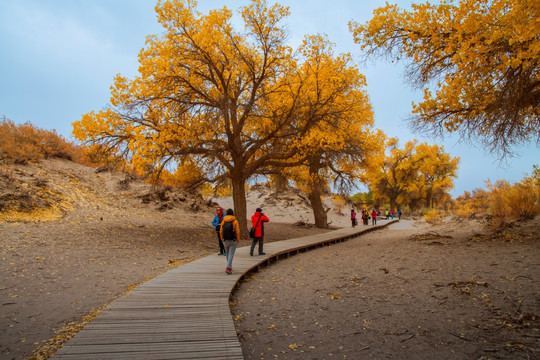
x=399 y=214
x=230 y=233
x=258 y=219
x=217 y=224
x=353 y=218
x=365 y=216
x=392 y=213
x=386 y=213
x=373 y=217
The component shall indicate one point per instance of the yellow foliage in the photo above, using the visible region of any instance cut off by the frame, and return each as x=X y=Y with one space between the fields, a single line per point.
x=237 y=103
x=434 y=216
x=477 y=60
x=339 y=202
x=25 y=143
x=471 y=205
x=419 y=175
x=514 y=201
x=51 y=213
x=504 y=201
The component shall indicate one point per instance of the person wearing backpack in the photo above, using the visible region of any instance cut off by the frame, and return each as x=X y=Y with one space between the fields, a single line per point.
x=258 y=220
x=230 y=233
x=217 y=224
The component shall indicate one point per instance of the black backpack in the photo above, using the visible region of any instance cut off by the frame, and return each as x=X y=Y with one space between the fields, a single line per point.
x=228 y=231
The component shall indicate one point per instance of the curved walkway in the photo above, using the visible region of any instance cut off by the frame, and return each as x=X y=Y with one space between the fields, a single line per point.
x=184 y=313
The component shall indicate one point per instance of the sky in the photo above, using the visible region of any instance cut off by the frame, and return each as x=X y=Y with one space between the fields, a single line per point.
x=58 y=59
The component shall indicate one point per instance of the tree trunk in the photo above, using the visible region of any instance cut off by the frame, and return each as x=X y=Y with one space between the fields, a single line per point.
x=429 y=196
x=321 y=219
x=240 y=205
x=393 y=203
x=280 y=183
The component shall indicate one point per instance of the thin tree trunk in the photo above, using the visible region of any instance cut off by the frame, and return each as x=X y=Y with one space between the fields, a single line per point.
x=429 y=202
x=280 y=183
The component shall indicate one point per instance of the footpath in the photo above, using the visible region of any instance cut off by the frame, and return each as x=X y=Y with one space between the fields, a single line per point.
x=184 y=313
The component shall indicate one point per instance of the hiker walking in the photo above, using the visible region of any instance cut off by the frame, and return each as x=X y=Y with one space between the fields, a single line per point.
x=217 y=224
x=365 y=216
x=230 y=233
x=258 y=219
x=373 y=217
x=353 y=218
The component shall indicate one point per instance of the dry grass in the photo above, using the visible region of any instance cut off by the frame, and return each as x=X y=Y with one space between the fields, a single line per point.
x=21 y=144
x=503 y=201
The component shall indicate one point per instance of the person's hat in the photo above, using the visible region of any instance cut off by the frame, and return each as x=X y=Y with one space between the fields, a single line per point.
x=258 y=210
x=230 y=212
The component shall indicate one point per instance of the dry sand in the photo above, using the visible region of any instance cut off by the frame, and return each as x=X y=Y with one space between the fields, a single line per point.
x=382 y=295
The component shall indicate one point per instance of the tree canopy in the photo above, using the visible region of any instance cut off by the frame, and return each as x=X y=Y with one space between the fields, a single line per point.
x=228 y=104
x=477 y=62
x=337 y=148
x=416 y=175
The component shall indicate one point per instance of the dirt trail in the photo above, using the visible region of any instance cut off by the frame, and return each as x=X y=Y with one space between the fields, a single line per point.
x=393 y=294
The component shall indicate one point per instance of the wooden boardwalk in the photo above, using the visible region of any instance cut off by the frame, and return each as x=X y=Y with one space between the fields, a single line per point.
x=184 y=313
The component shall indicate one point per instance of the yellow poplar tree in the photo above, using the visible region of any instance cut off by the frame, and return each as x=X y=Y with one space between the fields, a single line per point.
x=332 y=97
x=200 y=94
x=225 y=102
x=477 y=61
x=392 y=175
x=417 y=173
x=436 y=173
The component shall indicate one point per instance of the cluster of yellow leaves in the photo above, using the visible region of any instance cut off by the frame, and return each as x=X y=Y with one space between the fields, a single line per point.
x=521 y=199
x=472 y=204
x=481 y=56
x=433 y=216
x=187 y=175
x=417 y=175
x=50 y=213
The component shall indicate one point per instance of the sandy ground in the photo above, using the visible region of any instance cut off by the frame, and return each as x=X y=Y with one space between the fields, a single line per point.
x=55 y=274
x=382 y=295
x=393 y=294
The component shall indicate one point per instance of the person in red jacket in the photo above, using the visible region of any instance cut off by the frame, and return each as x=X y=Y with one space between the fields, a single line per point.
x=373 y=217
x=258 y=219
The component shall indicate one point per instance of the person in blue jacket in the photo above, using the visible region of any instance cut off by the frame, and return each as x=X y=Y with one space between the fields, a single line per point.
x=217 y=224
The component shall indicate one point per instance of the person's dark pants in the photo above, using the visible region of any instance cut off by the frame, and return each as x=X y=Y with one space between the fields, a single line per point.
x=221 y=246
x=254 y=242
